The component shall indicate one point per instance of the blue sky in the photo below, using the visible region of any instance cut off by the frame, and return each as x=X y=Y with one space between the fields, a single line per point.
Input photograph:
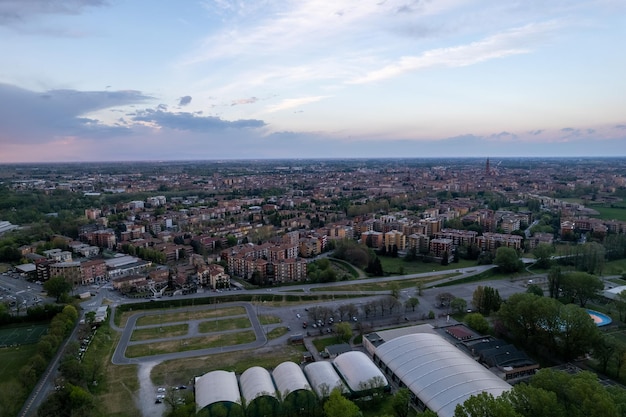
x=106 y=80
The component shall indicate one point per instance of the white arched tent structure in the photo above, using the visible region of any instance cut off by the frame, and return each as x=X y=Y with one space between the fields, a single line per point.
x=436 y=372
x=256 y=382
x=323 y=378
x=217 y=386
x=359 y=372
x=288 y=378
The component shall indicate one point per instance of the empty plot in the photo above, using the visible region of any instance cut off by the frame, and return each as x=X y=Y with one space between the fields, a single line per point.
x=192 y=343
x=180 y=316
x=160 y=332
x=224 y=324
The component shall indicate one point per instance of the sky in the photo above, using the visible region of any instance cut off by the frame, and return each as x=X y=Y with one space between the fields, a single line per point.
x=127 y=80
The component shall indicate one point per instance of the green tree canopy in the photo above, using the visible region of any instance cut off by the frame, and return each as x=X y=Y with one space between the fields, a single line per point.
x=581 y=286
x=507 y=260
x=339 y=406
x=543 y=252
x=57 y=287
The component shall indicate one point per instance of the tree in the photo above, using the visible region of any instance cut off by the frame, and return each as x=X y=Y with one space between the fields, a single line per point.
x=339 y=406
x=412 y=302
x=581 y=394
x=459 y=305
x=420 y=287
x=395 y=289
x=477 y=322
x=543 y=252
x=400 y=402
x=620 y=303
x=57 y=287
x=530 y=401
x=485 y=405
x=535 y=289
x=581 y=286
x=486 y=299
x=578 y=332
x=554 y=281
x=507 y=260
x=344 y=331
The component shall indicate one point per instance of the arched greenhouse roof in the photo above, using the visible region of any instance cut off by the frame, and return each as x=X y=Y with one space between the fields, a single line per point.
x=217 y=386
x=323 y=378
x=438 y=373
x=255 y=382
x=359 y=372
x=288 y=378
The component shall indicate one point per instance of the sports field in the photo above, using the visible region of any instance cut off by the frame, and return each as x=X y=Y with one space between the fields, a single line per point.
x=23 y=335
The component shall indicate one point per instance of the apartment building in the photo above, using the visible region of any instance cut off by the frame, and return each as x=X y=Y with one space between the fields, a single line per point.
x=492 y=241
x=395 y=238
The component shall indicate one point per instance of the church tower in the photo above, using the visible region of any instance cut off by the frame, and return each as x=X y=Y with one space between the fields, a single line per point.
x=487 y=168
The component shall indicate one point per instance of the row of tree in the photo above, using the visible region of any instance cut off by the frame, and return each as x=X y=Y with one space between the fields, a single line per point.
x=14 y=391
x=550 y=393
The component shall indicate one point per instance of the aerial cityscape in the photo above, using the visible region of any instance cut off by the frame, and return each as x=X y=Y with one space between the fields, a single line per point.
x=398 y=208
x=264 y=287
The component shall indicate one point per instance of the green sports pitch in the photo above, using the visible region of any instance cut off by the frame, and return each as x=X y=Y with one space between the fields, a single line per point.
x=23 y=335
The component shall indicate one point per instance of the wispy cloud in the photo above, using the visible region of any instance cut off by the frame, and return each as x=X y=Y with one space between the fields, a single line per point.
x=294 y=102
x=19 y=11
x=193 y=122
x=250 y=100
x=34 y=117
x=512 y=42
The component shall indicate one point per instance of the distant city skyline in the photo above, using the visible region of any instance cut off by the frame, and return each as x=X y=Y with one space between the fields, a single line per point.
x=121 y=80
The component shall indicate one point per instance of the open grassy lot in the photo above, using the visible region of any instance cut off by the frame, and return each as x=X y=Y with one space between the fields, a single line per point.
x=398 y=266
x=160 y=332
x=181 y=370
x=192 y=343
x=268 y=319
x=224 y=324
x=117 y=384
x=169 y=316
x=385 y=286
x=12 y=393
x=615 y=267
x=617 y=212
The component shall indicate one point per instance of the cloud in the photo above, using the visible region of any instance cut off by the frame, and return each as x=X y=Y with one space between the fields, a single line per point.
x=250 y=100
x=294 y=102
x=19 y=11
x=620 y=127
x=190 y=122
x=184 y=100
x=35 y=117
x=512 y=42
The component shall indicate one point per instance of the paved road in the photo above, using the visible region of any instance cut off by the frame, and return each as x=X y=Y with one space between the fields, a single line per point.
x=120 y=359
x=287 y=314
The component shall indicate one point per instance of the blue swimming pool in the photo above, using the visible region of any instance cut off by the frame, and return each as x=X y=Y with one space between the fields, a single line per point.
x=599 y=319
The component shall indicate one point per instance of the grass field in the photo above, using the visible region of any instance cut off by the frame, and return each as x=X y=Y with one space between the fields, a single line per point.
x=160 y=332
x=615 y=267
x=22 y=335
x=172 y=372
x=617 y=212
x=224 y=324
x=12 y=393
x=179 y=316
x=118 y=384
x=398 y=266
x=192 y=343
x=385 y=286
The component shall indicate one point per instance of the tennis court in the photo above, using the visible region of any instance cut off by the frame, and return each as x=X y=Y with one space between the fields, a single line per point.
x=23 y=335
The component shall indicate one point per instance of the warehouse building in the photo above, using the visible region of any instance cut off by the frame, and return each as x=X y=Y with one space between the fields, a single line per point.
x=437 y=373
